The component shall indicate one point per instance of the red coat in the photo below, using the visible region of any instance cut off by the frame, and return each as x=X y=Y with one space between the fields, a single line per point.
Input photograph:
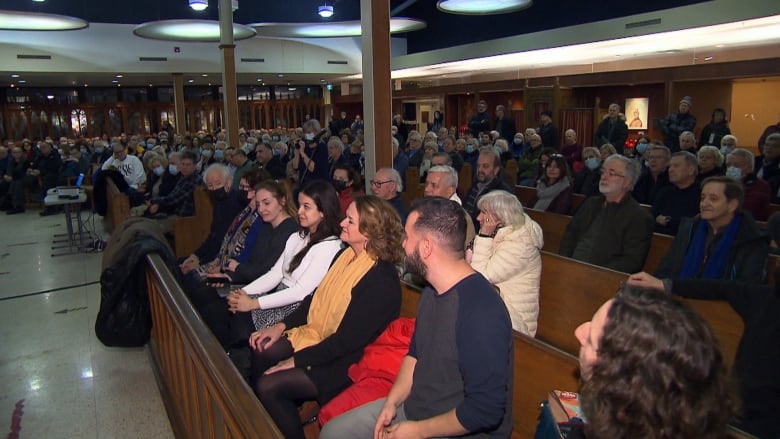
x=758 y=195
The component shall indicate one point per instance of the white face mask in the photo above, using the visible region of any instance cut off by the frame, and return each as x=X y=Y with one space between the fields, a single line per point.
x=734 y=172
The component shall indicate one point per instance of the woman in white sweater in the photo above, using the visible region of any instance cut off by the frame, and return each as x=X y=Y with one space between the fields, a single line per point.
x=303 y=263
x=506 y=252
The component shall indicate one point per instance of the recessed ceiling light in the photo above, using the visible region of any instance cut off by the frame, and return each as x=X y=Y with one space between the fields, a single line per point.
x=322 y=80
x=49 y=96
x=334 y=29
x=259 y=79
x=119 y=75
x=281 y=75
x=17 y=20
x=38 y=1
x=325 y=11
x=189 y=30
x=14 y=75
x=482 y=7
x=204 y=75
x=191 y=81
x=708 y=58
x=290 y=88
x=115 y=81
x=720 y=45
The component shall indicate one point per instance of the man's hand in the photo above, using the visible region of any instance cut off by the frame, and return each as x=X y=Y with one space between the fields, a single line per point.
x=404 y=430
x=385 y=418
x=645 y=280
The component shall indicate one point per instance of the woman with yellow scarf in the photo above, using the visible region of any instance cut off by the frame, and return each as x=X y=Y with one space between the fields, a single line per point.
x=307 y=355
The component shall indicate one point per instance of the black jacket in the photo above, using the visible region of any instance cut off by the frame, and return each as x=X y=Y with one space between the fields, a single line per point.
x=376 y=301
x=225 y=211
x=124 y=318
x=747 y=258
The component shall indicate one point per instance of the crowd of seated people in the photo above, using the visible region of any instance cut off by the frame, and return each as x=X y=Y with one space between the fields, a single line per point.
x=240 y=276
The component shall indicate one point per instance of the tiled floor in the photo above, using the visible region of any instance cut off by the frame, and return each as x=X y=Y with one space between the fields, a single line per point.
x=56 y=379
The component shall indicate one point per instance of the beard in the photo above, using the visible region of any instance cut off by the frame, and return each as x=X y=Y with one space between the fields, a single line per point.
x=413 y=263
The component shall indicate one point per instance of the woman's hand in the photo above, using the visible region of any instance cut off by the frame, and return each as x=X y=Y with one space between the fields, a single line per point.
x=239 y=301
x=487 y=223
x=645 y=280
x=232 y=265
x=265 y=338
x=288 y=363
x=213 y=267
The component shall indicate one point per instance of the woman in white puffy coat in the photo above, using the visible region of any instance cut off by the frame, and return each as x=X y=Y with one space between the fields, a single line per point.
x=506 y=252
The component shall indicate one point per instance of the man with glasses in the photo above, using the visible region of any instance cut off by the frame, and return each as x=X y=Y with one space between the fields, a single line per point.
x=611 y=230
x=655 y=176
x=387 y=186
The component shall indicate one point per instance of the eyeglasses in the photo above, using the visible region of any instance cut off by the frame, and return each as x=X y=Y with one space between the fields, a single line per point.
x=379 y=183
x=244 y=187
x=611 y=174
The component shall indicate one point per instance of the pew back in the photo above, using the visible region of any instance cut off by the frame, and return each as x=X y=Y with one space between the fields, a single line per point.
x=117 y=205
x=190 y=231
x=572 y=291
x=204 y=395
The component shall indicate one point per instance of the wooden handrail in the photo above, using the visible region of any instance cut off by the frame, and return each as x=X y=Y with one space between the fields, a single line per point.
x=203 y=393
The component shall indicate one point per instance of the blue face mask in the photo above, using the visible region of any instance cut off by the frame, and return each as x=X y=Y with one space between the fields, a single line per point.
x=277 y=153
x=726 y=150
x=158 y=170
x=592 y=163
x=99 y=150
x=219 y=154
x=734 y=172
x=173 y=169
x=469 y=148
x=641 y=147
x=83 y=150
x=207 y=153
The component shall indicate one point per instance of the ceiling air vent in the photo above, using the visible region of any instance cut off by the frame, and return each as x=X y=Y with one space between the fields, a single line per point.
x=152 y=58
x=330 y=61
x=252 y=59
x=23 y=56
x=644 y=23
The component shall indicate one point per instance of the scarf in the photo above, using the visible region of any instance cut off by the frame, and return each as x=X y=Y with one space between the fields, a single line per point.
x=716 y=260
x=546 y=194
x=331 y=299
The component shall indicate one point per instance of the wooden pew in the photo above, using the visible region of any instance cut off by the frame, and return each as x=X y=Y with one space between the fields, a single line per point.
x=117 y=205
x=571 y=292
x=465 y=177
x=190 y=231
x=554 y=227
x=203 y=393
x=205 y=397
x=526 y=194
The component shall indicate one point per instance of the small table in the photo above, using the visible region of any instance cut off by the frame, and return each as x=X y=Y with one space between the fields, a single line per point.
x=71 y=207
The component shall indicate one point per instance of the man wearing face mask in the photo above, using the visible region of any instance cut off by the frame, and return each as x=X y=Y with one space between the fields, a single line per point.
x=227 y=204
x=586 y=182
x=758 y=193
x=727 y=144
x=181 y=200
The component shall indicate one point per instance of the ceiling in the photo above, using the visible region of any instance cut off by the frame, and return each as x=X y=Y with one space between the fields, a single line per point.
x=81 y=57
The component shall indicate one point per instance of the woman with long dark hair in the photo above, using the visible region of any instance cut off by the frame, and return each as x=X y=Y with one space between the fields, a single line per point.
x=553 y=190
x=357 y=299
x=303 y=263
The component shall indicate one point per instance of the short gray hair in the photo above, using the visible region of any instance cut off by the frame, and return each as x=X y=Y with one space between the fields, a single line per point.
x=664 y=148
x=688 y=134
x=690 y=159
x=632 y=167
x=219 y=168
x=730 y=137
x=593 y=150
x=335 y=141
x=312 y=124
x=450 y=175
x=447 y=157
x=715 y=151
x=396 y=177
x=746 y=155
x=505 y=206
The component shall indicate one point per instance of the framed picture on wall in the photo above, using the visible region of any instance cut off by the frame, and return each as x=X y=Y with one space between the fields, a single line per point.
x=636 y=113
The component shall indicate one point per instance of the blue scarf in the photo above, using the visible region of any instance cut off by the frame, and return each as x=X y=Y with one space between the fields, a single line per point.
x=716 y=262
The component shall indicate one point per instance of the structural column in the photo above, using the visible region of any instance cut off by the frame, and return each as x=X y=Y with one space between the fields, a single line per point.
x=377 y=93
x=229 y=91
x=178 y=103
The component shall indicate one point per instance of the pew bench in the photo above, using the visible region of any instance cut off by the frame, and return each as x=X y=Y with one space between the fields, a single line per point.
x=117 y=205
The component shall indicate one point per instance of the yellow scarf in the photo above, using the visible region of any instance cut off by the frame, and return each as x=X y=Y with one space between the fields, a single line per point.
x=331 y=299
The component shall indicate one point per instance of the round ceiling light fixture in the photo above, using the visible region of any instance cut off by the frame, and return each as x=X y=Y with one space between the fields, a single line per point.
x=18 y=20
x=482 y=7
x=198 y=5
x=325 y=11
x=189 y=30
x=332 y=29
